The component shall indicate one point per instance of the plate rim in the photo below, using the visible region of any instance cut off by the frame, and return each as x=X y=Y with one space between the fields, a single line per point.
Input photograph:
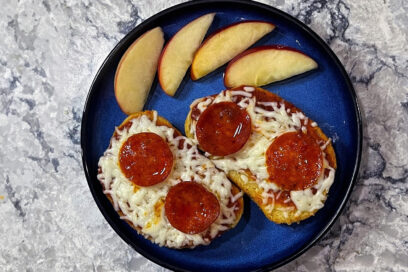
x=286 y=16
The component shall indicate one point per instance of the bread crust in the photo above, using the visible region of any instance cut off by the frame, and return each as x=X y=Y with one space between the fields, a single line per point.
x=251 y=187
x=160 y=121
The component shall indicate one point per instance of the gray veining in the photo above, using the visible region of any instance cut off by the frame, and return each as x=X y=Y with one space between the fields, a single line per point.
x=49 y=54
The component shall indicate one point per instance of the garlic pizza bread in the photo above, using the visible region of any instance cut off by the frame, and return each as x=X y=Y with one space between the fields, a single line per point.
x=158 y=182
x=268 y=147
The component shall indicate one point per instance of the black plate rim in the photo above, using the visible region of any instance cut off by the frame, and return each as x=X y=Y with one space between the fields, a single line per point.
x=288 y=17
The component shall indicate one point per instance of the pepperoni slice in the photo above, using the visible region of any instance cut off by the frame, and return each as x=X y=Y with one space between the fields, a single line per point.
x=145 y=159
x=223 y=128
x=190 y=208
x=294 y=161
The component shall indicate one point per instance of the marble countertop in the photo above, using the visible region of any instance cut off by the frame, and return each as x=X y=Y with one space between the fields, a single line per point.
x=51 y=50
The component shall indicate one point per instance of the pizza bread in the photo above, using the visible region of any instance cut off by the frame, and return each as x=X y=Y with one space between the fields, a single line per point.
x=186 y=203
x=268 y=147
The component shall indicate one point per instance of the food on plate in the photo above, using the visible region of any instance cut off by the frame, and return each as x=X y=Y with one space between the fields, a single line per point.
x=136 y=71
x=266 y=64
x=225 y=44
x=181 y=204
x=223 y=122
x=178 y=54
x=158 y=182
x=286 y=164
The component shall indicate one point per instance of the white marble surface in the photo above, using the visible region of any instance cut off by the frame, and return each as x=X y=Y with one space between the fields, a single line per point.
x=49 y=54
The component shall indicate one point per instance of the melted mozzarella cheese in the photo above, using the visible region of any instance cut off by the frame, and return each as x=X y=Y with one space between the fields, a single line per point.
x=144 y=206
x=267 y=126
x=306 y=201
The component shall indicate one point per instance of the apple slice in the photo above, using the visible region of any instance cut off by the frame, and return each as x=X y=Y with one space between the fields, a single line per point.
x=225 y=44
x=266 y=64
x=178 y=54
x=136 y=70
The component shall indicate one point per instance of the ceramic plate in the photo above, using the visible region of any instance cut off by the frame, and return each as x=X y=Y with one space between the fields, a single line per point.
x=325 y=95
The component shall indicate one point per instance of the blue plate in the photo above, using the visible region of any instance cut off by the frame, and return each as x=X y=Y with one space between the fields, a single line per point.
x=325 y=95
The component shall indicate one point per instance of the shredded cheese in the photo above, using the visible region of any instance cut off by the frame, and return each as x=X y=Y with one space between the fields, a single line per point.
x=306 y=201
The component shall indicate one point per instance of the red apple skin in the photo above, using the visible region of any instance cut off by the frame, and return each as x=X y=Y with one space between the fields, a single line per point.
x=165 y=48
x=222 y=29
x=260 y=48
x=160 y=62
